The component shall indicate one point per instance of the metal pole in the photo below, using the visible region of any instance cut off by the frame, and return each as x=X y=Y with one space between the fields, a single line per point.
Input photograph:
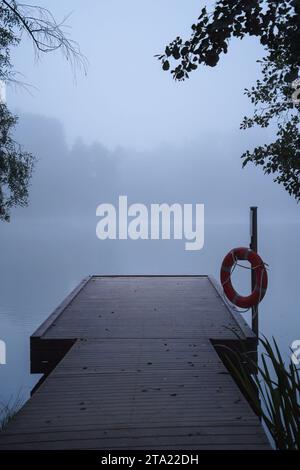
x=253 y=246
x=255 y=325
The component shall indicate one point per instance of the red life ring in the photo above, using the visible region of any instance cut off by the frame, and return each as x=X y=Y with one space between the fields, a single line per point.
x=261 y=277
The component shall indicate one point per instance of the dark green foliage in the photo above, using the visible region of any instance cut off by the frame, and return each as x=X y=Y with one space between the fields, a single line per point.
x=15 y=167
x=8 y=38
x=281 y=157
x=273 y=391
x=277 y=25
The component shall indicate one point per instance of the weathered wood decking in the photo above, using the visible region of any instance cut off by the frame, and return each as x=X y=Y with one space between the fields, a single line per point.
x=134 y=366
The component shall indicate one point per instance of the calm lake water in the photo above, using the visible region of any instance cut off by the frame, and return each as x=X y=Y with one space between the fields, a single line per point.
x=42 y=260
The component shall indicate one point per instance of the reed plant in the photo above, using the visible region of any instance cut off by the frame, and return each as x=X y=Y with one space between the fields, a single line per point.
x=273 y=390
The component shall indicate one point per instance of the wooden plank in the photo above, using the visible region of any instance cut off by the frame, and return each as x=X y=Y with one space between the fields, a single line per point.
x=141 y=371
x=162 y=301
x=50 y=321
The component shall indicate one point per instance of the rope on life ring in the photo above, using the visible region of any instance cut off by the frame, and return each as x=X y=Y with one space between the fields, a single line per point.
x=261 y=277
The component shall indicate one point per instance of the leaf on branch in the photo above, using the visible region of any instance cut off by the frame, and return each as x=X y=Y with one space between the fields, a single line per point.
x=166 y=65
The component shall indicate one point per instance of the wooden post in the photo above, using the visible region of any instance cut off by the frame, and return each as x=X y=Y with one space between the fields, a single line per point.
x=253 y=246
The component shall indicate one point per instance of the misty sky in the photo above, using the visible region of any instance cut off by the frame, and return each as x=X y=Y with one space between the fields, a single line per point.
x=126 y=99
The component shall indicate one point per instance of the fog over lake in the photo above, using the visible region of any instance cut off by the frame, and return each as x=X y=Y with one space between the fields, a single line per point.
x=129 y=129
x=50 y=246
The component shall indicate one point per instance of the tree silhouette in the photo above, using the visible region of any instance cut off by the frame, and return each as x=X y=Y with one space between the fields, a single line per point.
x=277 y=25
x=47 y=35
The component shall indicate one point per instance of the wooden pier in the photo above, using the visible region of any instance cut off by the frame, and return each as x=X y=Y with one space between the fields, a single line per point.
x=129 y=362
